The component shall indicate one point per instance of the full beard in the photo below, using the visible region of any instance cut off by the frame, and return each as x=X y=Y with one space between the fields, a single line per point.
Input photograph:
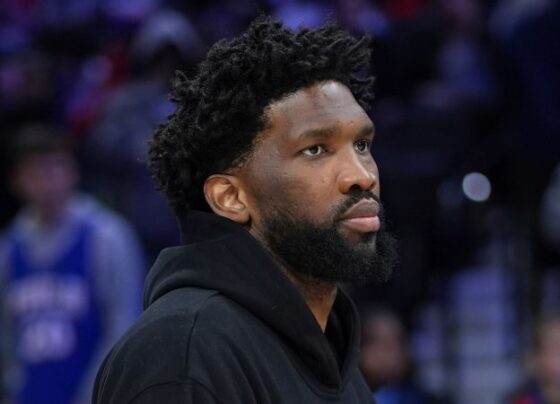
x=321 y=253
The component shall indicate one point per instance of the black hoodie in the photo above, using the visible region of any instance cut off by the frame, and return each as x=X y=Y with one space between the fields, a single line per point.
x=223 y=324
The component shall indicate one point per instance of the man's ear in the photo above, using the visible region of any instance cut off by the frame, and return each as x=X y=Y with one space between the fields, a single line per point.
x=225 y=196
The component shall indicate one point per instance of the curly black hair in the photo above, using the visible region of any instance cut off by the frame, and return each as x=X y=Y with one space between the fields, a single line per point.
x=220 y=111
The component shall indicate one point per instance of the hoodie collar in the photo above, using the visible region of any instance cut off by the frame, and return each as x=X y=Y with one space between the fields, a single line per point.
x=221 y=255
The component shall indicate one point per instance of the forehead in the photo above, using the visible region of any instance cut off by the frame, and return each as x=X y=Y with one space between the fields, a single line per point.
x=551 y=331
x=47 y=157
x=325 y=104
x=40 y=161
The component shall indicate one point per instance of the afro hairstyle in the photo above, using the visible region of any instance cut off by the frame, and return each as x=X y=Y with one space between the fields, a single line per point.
x=220 y=110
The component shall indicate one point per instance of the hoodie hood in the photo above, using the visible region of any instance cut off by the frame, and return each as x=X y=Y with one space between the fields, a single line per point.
x=221 y=255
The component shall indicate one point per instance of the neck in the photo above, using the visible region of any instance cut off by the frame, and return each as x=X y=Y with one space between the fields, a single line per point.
x=319 y=296
x=47 y=218
x=49 y=215
x=551 y=393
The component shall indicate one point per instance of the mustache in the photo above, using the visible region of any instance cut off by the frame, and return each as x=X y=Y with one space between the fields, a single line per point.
x=353 y=199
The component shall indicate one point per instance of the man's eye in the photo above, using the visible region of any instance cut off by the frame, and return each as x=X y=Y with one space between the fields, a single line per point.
x=314 y=150
x=362 y=145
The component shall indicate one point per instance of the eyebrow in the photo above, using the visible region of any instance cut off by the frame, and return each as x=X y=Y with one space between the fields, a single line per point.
x=330 y=131
x=325 y=132
x=369 y=129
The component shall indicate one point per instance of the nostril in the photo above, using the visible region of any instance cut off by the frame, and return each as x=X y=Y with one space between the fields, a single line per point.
x=355 y=188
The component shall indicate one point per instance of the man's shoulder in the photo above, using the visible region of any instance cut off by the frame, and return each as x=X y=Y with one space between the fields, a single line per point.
x=156 y=349
x=167 y=328
x=210 y=323
x=172 y=316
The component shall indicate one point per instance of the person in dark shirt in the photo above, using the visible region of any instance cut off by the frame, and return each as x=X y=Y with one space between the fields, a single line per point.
x=267 y=163
x=543 y=364
x=386 y=361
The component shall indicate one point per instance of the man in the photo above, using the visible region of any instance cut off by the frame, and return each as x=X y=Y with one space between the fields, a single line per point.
x=70 y=275
x=543 y=364
x=386 y=362
x=269 y=139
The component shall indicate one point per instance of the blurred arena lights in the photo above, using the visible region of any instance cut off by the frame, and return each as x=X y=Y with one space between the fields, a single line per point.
x=477 y=187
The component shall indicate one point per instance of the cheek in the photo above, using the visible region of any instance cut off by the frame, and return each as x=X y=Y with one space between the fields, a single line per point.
x=279 y=190
x=290 y=185
x=305 y=195
x=61 y=180
x=27 y=186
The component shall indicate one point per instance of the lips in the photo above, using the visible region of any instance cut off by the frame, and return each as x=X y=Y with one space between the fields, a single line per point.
x=363 y=217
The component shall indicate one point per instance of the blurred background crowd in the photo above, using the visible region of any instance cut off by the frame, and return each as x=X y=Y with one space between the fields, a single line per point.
x=467 y=115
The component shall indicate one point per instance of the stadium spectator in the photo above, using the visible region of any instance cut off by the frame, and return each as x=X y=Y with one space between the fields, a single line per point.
x=70 y=273
x=543 y=365
x=118 y=144
x=386 y=362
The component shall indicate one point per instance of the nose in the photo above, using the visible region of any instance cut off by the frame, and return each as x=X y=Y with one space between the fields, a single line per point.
x=358 y=172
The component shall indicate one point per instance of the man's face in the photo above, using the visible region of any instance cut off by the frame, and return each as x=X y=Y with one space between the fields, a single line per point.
x=546 y=359
x=384 y=357
x=46 y=180
x=313 y=187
